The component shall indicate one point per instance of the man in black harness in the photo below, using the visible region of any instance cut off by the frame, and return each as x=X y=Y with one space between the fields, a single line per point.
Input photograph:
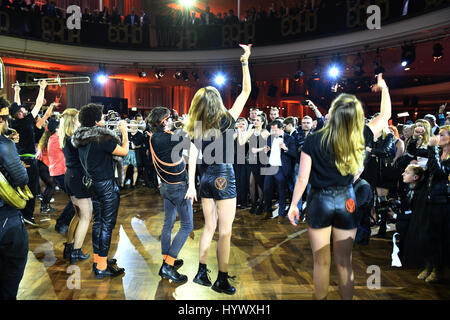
x=171 y=168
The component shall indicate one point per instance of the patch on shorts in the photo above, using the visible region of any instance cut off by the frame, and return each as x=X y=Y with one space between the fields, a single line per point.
x=350 y=205
x=220 y=183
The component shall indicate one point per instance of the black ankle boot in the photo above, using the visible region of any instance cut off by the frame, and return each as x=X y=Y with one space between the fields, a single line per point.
x=260 y=209
x=112 y=270
x=78 y=255
x=68 y=247
x=169 y=272
x=109 y=262
x=222 y=285
x=202 y=276
x=253 y=208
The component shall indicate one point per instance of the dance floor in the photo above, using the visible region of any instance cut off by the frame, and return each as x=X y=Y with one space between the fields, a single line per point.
x=271 y=261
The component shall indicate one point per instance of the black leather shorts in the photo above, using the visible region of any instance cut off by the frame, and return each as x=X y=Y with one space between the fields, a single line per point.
x=218 y=182
x=332 y=206
x=73 y=182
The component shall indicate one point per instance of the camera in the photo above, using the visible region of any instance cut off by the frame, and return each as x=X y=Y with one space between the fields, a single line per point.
x=395 y=205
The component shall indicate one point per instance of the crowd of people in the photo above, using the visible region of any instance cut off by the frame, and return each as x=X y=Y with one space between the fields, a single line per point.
x=106 y=16
x=339 y=173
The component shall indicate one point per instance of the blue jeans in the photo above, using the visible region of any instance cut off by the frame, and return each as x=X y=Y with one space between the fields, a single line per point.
x=174 y=201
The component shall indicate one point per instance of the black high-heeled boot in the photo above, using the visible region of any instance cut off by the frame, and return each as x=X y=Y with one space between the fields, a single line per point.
x=202 y=276
x=222 y=285
x=78 y=255
x=68 y=247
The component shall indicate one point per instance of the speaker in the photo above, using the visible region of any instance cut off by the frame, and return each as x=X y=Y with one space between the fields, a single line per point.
x=272 y=91
x=116 y=104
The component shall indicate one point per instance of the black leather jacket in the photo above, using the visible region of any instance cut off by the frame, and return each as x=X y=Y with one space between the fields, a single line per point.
x=10 y=165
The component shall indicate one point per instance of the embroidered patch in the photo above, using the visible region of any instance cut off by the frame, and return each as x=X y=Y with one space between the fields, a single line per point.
x=350 y=205
x=220 y=183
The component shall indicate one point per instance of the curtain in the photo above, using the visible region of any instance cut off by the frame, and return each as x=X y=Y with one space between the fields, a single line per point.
x=78 y=95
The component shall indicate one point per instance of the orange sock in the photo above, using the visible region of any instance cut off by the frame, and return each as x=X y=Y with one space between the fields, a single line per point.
x=102 y=263
x=164 y=257
x=95 y=258
x=170 y=260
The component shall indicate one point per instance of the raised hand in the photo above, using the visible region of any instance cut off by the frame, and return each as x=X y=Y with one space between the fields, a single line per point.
x=43 y=84
x=247 y=52
x=16 y=86
x=381 y=84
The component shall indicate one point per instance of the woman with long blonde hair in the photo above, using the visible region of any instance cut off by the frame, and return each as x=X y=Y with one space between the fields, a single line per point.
x=75 y=188
x=208 y=118
x=417 y=145
x=330 y=159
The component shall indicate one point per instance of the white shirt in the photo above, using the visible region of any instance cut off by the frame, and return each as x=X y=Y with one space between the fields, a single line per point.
x=275 y=152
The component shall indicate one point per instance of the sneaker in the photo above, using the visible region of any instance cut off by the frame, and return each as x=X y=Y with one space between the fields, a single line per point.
x=31 y=221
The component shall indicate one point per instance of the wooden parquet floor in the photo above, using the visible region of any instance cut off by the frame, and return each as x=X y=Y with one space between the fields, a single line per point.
x=271 y=261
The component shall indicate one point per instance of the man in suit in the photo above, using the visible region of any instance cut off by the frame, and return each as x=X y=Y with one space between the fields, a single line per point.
x=281 y=151
x=252 y=117
x=132 y=19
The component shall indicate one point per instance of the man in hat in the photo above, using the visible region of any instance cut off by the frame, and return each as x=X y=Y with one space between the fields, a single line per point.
x=24 y=122
x=13 y=235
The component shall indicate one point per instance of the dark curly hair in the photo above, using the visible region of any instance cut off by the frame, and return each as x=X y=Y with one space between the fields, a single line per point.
x=156 y=116
x=3 y=103
x=89 y=114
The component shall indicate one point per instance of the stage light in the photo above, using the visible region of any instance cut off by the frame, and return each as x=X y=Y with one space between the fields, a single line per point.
x=159 y=74
x=101 y=78
x=142 y=74
x=437 y=52
x=334 y=71
x=408 y=56
x=177 y=75
x=219 y=79
x=187 y=3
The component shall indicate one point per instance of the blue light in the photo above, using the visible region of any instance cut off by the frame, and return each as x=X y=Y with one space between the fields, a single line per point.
x=102 y=78
x=334 y=72
x=219 y=79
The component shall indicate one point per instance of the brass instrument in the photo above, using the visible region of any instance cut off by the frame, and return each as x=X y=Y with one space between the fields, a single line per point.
x=113 y=124
x=14 y=197
x=13 y=135
x=54 y=81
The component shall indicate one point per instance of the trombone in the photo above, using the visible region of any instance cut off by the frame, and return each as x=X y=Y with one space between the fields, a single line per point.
x=54 y=81
x=114 y=124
